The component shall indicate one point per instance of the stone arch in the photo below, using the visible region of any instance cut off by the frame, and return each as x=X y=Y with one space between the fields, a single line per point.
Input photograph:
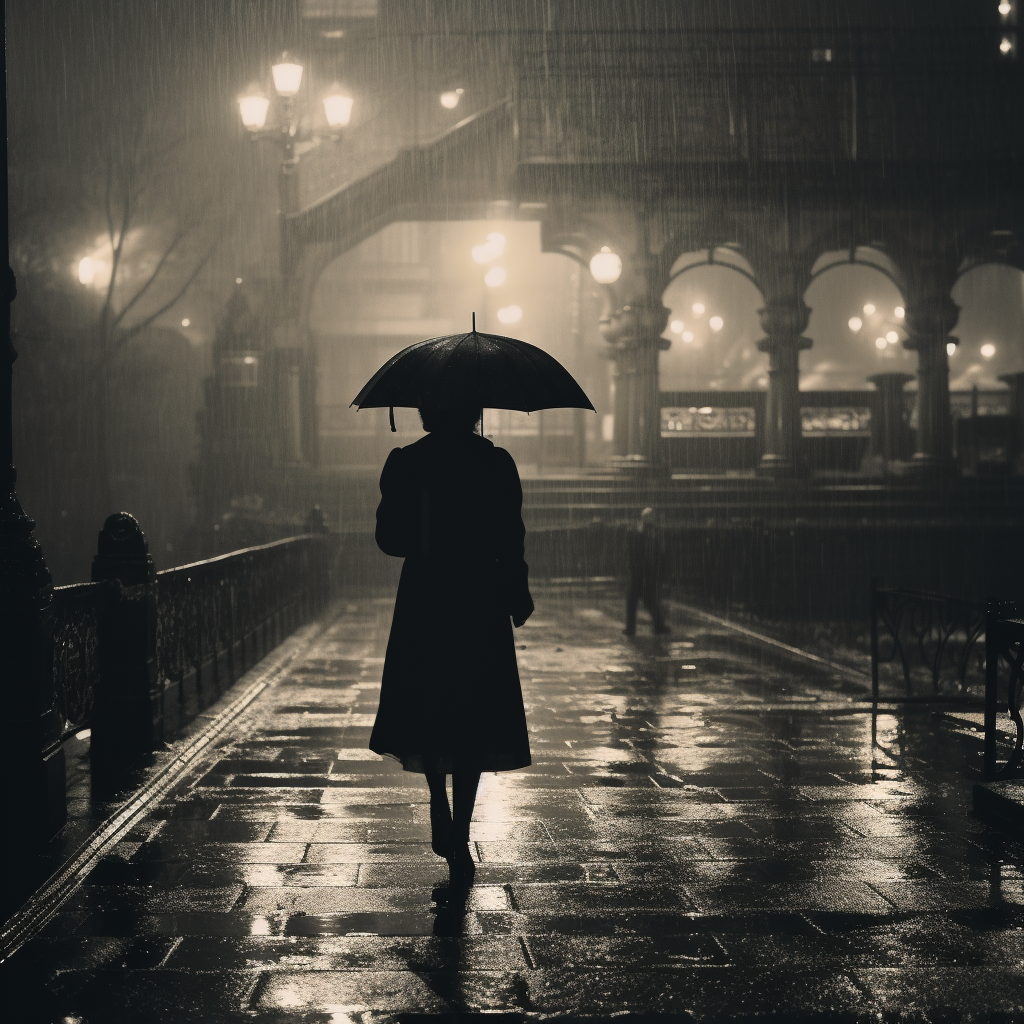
x=854 y=296
x=720 y=279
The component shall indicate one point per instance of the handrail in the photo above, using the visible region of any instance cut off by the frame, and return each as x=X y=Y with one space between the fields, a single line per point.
x=1004 y=645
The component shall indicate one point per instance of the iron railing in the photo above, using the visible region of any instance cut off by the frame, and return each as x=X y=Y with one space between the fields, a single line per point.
x=215 y=619
x=221 y=615
x=1004 y=648
x=74 y=625
x=926 y=646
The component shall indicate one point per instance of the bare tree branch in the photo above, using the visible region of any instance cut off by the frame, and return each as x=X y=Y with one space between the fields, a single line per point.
x=125 y=336
x=168 y=252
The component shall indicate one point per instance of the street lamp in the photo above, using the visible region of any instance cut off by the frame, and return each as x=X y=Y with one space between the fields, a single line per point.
x=606 y=266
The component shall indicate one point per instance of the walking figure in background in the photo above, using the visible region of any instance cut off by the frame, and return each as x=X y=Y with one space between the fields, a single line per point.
x=645 y=557
x=451 y=702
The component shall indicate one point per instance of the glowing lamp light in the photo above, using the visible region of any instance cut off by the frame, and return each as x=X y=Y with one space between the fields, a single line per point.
x=605 y=266
x=698 y=308
x=253 y=107
x=869 y=309
x=1005 y=46
x=86 y=270
x=495 y=277
x=892 y=337
x=687 y=336
x=676 y=327
x=950 y=348
x=287 y=76
x=337 y=107
x=510 y=315
x=880 y=343
x=450 y=98
x=238 y=280
x=899 y=312
x=855 y=323
x=186 y=322
x=716 y=323
x=988 y=350
x=491 y=249
x=1005 y=8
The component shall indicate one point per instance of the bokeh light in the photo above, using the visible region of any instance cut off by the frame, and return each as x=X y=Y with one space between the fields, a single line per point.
x=495 y=277
x=855 y=323
x=716 y=323
x=510 y=314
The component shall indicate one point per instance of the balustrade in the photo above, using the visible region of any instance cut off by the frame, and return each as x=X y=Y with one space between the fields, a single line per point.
x=135 y=649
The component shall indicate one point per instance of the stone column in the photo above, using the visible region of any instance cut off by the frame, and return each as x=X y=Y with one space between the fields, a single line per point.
x=634 y=333
x=783 y=320
x=929 y=267
x=890 y=434
x=1015 y=381
x=128 y=703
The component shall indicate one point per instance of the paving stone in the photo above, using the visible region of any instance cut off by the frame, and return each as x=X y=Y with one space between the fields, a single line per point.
x=717 y=844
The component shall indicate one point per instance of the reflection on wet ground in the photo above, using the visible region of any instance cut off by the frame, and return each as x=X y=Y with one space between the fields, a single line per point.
x=707 y=830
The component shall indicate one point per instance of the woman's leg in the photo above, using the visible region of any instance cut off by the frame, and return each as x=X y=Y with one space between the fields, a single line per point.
x=440 y=815
x=464 y=786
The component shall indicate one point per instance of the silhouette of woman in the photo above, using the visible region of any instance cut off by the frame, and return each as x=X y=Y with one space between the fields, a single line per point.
x=450 y=702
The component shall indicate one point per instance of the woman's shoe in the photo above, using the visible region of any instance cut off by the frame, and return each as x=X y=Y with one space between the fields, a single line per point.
x=461 y=866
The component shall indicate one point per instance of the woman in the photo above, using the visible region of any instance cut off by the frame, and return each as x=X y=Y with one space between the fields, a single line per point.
x=450 y=701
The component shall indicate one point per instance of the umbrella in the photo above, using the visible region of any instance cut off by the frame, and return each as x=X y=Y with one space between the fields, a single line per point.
x=484 y=371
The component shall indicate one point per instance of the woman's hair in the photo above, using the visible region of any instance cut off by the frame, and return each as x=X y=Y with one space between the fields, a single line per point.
x=456 y=417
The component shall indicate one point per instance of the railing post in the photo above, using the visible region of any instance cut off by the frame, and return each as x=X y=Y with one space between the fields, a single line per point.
x=128 y=708
x=874 y=639
x=992 y=610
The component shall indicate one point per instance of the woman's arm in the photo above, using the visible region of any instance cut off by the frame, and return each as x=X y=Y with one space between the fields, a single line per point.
x=392 y=532
x=511 y=536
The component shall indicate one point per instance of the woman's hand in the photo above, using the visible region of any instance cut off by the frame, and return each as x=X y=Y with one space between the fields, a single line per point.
x=521 y=614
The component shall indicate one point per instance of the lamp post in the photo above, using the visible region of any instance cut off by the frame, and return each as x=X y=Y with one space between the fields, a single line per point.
x=288 y=130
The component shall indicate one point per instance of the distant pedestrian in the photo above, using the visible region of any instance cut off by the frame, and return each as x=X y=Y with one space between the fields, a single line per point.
x=451 y=702
x=645 y=557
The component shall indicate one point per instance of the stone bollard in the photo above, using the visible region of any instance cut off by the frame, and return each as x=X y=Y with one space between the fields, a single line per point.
x=128 y=705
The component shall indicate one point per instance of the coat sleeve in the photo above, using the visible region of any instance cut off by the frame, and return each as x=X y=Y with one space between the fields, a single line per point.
x=393 y=534
x=511 y=536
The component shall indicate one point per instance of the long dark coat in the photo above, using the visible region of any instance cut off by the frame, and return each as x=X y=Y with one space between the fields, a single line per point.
x=451 y=505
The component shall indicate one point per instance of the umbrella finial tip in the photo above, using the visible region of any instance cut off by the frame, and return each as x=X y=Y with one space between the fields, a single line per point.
x=474 y=323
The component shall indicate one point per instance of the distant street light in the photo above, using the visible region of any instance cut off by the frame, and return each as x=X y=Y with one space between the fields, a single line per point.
x=288 y=131
x=988 y=350
x=880 y=343
x=950 y=348
x=450 y=98
x=605 y=266
x=855 y=323
x=716 y=323
x=869 y=308
x=687 y=336
x=676 y=327
x=892 y=337
x=287 y=76
x=698 y=308
x=489 y=250
x=899 y=312
x=495 y=277
x=510 y=314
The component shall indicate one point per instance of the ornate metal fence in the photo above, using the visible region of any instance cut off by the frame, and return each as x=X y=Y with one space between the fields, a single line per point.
x=220 y=615
x=925 y=647
x=75 y=663
x=215 y=619
x=1004 y=647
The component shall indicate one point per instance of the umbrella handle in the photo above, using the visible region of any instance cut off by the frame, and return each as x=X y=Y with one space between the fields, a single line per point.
x=391 y=417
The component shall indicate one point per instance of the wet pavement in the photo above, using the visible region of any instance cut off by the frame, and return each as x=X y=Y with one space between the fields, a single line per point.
x=708 y=831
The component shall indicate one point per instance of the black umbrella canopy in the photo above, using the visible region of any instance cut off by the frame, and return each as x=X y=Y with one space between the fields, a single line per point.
x=485 y=371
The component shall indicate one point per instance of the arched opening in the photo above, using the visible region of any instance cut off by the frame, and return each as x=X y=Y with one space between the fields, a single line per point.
x=986 y=368
x=418 y=280
x=713 y=327
x=713 y=376
x=856 y=322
